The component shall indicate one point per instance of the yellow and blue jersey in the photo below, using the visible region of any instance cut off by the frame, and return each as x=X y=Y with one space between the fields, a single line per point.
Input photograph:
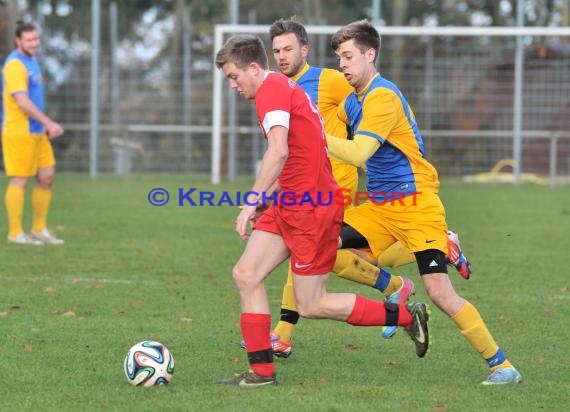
x=382 y=112
x=328 y=88
x=21 y=74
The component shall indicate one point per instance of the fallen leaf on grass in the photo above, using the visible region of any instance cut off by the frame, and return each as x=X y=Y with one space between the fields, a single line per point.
x=135 y=303
x=186 y=320
x=439 y=408
x=49 y=290
x=3 y=314
x=351 y=346
x=28 y=347
x=393 y=364
x=565 y=289
x=15 y=307
x=69 y=314
x=99 y=286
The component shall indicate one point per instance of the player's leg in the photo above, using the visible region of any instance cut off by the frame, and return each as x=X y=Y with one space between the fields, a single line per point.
x=395 y=256
x=42 y=193
x=314 y=302
x=347 y=177
x=350 y=264
x=264 y=252
x=432 y=265
x=281 y=338
x=361 y=229
x=14 y=200
x=468 y=320
x=20 y=163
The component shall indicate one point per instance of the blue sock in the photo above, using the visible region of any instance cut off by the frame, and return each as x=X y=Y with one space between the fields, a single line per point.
x=496 y=359
x=383 y=280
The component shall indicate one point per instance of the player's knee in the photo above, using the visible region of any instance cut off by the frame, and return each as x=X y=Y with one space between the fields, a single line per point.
x=244 y=278
x=45 y=181
x=19 y=181
x=240 y=276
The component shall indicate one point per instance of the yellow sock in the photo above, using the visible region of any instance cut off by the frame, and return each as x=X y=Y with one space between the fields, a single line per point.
x=473 y=328
x=41 y=200
x=15 y=209
x=396 y=255
x=349 y=265
x=285 y=329
x=395 y=284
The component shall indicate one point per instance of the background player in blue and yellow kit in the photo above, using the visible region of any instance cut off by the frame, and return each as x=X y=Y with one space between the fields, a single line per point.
x=388 y=141
x=26 y=131
x=328 y=88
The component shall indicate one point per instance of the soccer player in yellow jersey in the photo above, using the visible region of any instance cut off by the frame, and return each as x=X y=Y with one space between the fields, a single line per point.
x=403 y=187
x=328 y=88
x=26 y=131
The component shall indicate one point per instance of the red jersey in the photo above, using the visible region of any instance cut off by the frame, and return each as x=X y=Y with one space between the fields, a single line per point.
x=279 y=101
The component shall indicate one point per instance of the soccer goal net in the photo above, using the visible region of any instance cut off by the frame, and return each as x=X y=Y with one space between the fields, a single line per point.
x=481 y=95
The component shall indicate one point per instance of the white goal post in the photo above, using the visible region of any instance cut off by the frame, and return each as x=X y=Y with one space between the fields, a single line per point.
x=222 y=30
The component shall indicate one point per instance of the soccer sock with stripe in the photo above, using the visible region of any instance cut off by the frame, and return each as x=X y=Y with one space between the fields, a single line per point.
x=473 y=328
x=14 y=200
x=41 y=200
x=350 y=266
x=367 y=312
x=288 y=315
x=255 y=329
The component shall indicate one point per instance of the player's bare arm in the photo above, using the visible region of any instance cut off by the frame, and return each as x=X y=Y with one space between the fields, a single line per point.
x=52 y=128
x=271 y=165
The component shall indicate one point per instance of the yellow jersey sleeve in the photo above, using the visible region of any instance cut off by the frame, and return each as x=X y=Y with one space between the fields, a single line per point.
x=15 y=77
x=380 y=114
x=333 y=90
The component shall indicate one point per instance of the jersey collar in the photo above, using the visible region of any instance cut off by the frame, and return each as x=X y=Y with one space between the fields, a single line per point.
x=304 y=70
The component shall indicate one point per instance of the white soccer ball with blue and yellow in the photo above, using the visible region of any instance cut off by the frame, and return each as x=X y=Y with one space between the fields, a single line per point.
x=149 y=363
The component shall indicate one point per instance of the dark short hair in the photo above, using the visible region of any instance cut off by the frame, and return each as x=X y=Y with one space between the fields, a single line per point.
x=364 y=34
x=282 y=26
x=242 y=50
x=22 y=26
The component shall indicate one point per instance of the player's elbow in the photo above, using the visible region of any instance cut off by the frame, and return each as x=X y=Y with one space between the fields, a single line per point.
x=360 y=160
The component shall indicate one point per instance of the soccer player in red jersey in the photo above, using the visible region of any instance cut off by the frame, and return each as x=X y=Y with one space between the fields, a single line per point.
x=295 y=162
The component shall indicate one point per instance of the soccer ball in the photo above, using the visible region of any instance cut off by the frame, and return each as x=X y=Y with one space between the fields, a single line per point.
x=149 y=363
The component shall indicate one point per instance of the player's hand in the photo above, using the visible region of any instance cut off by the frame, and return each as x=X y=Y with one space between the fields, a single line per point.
x=258 y=212
x=246 y=215
x=53 y=130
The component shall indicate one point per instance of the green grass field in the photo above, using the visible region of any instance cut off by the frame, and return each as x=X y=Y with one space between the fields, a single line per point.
x=130 y=271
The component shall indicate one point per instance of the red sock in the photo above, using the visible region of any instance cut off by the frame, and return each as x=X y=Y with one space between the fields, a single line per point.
x=255 y=329
x=367 y=312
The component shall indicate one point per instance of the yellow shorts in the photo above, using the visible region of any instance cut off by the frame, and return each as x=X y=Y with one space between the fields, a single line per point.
x=25 y=154
x=346 y=176
x=419 y=224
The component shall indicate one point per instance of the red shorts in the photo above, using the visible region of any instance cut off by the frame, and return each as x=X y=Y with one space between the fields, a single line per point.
x=310 y=234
